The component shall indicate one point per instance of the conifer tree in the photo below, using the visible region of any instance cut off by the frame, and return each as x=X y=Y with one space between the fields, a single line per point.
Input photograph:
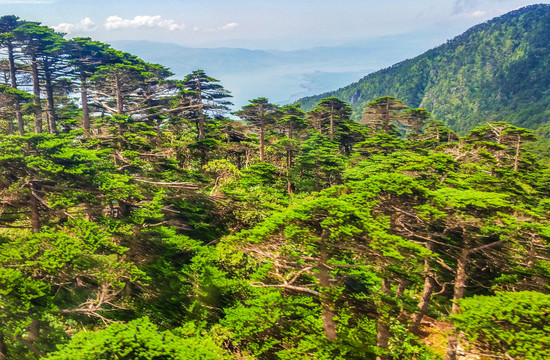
x=9 y=23
x=332 y=112
x=382 y=112
x=507 y=137
x=86 y=56
x=45 y=48
x=415 y=119
x=261 y=114
x=8 y=97
x=116 y=84
x=207 y=96
x=291 y=122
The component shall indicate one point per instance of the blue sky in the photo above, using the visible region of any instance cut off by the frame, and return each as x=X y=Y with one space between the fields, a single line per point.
x=282 y=24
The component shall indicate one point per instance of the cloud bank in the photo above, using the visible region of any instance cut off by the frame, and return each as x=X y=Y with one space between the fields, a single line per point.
x=142 y=21
x=229 y=26
x=470 y=15
x=85 y=24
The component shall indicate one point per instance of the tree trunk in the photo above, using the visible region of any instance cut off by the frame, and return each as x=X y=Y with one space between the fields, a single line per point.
x=288 y=165
x=125 y=209
x=383 y=322
x=262 y=131
x=201 y=113
x=429 y=284
x=36 y=93
x=3 y=348
x=332 y=122
x=203 y=159
x=84 y=99
x=119 y=97
x=328 y=313
x=460 y=279
x=11 y=129
x=16 y=105
x=19 y=117
x=459 y=289
x=52 y=117
x=35 y=212
x=30 y=341
x=202 y=133
x=118 y=143
x=424 y=302
x=157 y=127
x=34 y=330
x=289 y=161
x=400 y=288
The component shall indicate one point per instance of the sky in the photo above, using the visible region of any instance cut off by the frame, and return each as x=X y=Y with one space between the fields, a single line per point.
x=259 y=24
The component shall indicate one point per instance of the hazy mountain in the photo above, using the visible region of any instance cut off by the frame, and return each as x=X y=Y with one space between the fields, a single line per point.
x=282 y=76
x=498 y=70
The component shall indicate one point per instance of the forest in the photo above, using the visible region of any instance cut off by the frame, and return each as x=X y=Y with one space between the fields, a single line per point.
x=139 y=219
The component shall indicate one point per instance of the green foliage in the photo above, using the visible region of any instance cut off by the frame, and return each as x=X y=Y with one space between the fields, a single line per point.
x=15 y=93
x=86 y=262
x=507 y=323
x=139 y=339
x=464 y=199
x=380 y=143
x=318 y=164
x=288 y=235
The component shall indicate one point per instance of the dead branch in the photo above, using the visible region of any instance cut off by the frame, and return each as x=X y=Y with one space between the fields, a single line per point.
x=288 y=287
x=179 y=185
x=483 y=247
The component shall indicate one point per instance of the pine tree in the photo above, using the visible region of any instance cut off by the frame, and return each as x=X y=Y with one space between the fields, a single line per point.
x=9 y=23
x=86 y=56
x=332 y=112
x=261 y=114
x=207 y=96
x=381 y=113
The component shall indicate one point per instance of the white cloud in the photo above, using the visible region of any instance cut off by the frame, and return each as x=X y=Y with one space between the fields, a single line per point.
x=140 y=21
x=466 y=9
x=228 y=27
x=470 y=15
x=478 y=13
x=85 y=24
x=64 y=28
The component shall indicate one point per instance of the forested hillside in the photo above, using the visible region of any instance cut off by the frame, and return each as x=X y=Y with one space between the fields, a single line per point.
x=139 y=221
x=496 y=71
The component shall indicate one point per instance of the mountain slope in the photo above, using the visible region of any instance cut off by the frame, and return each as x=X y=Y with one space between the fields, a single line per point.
x=498 y=70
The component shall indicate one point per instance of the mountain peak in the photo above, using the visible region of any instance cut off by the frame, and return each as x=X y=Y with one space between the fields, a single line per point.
x=495 y=71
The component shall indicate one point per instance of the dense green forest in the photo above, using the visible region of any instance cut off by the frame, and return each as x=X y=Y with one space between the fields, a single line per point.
x=496 y=71
x=139 y=221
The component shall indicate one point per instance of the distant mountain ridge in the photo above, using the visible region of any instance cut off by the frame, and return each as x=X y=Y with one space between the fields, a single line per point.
x=282 y=76
x=497 y=70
